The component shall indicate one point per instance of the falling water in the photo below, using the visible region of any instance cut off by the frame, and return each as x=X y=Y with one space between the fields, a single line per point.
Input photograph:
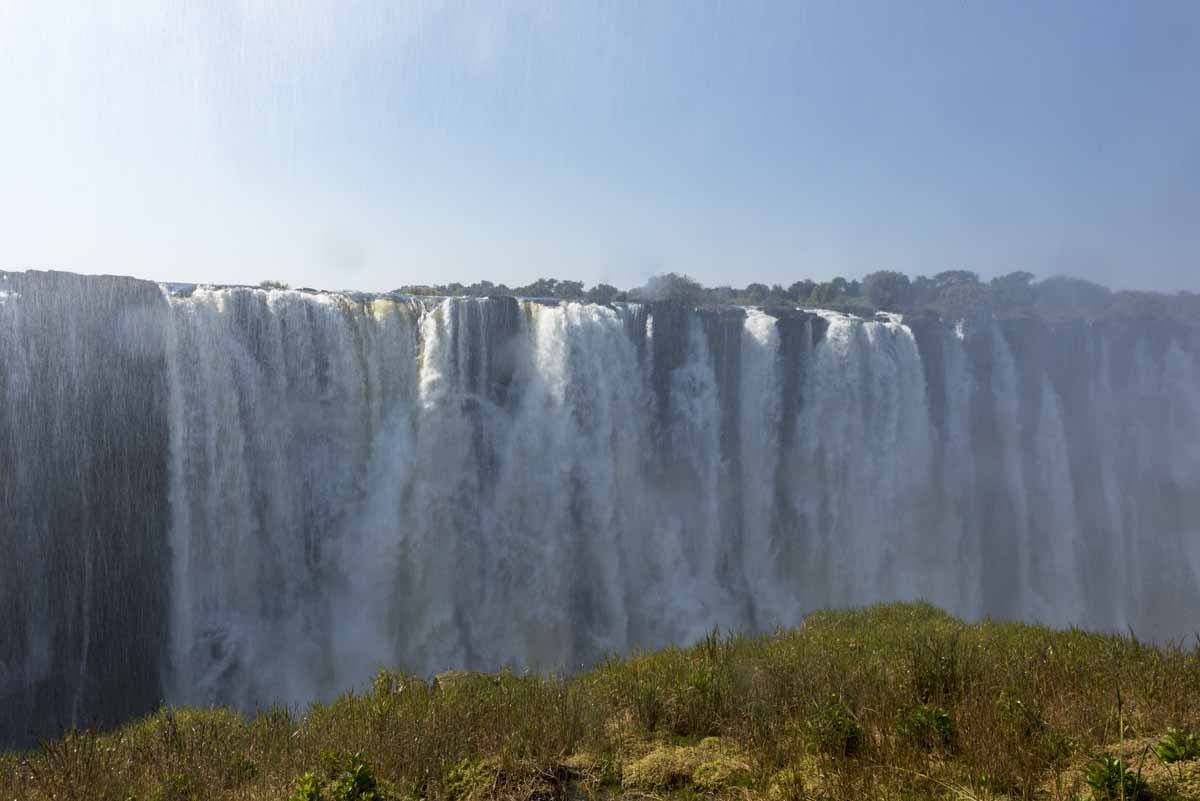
x=233 y=495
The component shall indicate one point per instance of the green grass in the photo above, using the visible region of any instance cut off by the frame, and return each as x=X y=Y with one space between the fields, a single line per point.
x=892 y=702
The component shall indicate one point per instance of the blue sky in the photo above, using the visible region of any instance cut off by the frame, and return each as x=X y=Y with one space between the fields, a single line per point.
x=368 y=145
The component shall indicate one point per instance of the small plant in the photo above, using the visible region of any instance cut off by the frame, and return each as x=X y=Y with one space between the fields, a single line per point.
x=834 y=730
x=1111 y=779
x=928 y=727
x=356 y=783
x=471 y=779
x=307 y=788
x=352 y=782
x=331 y=762
x=269 y=284
x=1177 y=746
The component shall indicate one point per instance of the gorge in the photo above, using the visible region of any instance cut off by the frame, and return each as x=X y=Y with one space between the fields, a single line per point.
x=232 y=495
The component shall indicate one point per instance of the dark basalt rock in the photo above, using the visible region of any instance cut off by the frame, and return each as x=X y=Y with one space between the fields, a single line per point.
x=930 y=334
x=669 y=346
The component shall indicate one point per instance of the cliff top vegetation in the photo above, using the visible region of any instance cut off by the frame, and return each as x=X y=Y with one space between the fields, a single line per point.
x=892 y=702
x=953 y=294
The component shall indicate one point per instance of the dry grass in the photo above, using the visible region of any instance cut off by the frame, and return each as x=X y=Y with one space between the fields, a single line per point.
x=892 y=702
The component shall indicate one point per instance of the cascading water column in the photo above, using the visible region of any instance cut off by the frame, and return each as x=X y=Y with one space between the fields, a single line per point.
x=760 y=442
x=277 y=398
x=860 y=466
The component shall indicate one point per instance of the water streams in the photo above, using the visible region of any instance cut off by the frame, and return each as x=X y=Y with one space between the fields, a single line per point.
x=240 y=496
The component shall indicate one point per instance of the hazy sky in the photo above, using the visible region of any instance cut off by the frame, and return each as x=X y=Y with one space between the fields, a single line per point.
x=368 y=145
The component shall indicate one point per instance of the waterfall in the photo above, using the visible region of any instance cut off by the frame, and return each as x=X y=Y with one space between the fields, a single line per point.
x=277 y=401
x=239 y=496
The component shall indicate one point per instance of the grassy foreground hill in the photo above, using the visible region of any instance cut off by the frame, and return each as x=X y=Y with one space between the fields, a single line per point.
x=892 y=702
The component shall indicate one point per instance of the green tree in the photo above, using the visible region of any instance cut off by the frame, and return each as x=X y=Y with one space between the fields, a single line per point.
x=777 y=294
x=569 y=290
x=888 y=289
x=801 y=290
x=541 y=288
x=966 y=300
x=603 y=293
x=1013 y=291
x=755 y=293
x=823 y=293
x=482 y=289
x=949 y=278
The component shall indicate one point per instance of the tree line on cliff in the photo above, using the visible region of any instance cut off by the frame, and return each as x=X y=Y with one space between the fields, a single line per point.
x=952 y=294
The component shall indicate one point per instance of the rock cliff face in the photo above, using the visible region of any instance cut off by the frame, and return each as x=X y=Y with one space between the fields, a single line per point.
x=235 y=495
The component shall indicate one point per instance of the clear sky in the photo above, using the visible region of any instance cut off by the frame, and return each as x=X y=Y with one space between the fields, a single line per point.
x=365 y=145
